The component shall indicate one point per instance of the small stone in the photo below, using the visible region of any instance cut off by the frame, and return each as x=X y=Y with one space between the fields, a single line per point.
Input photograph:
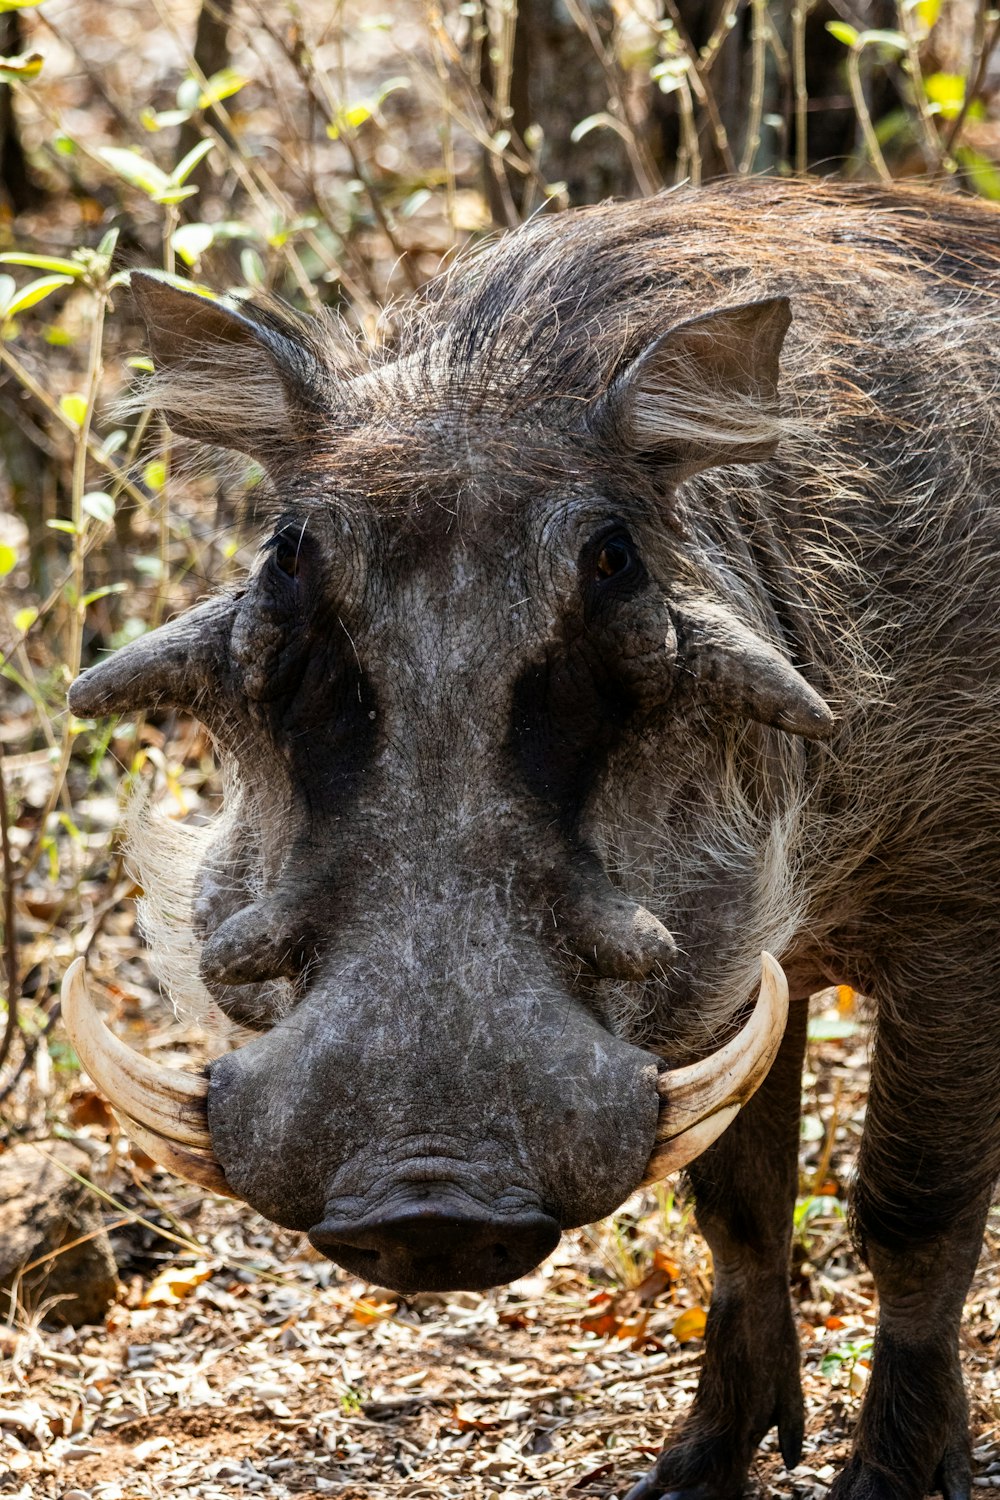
x=43 y=1208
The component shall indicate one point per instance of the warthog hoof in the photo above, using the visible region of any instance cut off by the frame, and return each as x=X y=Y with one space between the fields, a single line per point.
x=862 y=1481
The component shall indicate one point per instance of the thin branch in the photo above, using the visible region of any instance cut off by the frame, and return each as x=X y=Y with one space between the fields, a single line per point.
x=974 y=84
x=643 y=169
x=701 y=86
x=10 y=943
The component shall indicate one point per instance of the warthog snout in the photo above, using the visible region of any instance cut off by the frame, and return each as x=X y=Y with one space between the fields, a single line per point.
x=420 y=1167
x=437 y=1242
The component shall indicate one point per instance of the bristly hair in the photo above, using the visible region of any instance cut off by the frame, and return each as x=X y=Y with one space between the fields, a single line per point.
x=530 y=331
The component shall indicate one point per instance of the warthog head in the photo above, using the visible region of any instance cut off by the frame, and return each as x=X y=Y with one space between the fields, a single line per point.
x=475 y=667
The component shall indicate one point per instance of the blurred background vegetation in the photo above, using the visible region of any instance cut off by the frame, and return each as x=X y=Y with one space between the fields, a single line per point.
x=335 y=154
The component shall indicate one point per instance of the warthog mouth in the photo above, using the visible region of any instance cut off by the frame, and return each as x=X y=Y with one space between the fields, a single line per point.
x=165 y=1110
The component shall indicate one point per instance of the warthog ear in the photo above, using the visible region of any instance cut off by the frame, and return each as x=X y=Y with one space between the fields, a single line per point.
x=253 y=383
x=705 y=392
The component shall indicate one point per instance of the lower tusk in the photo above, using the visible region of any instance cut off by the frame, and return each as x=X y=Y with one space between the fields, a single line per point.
x=699 y=1101
x=675 y=1154
x=170 y=1105
x=193 y=1166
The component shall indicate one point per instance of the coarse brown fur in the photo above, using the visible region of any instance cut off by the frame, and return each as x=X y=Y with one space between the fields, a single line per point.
x=465 y=464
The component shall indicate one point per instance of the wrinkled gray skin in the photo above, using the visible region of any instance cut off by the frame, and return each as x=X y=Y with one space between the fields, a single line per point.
x=553 y=597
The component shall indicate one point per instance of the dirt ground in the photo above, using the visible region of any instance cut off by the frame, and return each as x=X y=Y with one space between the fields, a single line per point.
x=239 y=1362
x=235 y=1360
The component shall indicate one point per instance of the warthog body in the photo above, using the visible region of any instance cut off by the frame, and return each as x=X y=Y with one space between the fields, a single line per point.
x=574 y=618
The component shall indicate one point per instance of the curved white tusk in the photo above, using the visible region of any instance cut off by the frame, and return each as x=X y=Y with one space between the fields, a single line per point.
x=193 y=1166
x=675 y=1153
x=699 y=1101
x=171 y=1104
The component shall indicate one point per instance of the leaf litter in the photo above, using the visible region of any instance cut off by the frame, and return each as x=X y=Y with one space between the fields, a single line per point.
x=238 y=1362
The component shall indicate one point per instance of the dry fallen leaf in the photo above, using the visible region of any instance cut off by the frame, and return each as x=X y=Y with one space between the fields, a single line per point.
x=366 y=1312
x=465 y=1419
x=88 y=1108
x=690 y=1325
x=174 y=1283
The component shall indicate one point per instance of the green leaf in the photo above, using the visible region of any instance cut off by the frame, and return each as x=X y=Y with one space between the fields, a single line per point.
x=391 y=86
x=252 y=268
x=8 y=286
x=34 y=292
x=893 y=39
x=106 y=248
x=221 y=86
x=234 y=229
x=414 y=202
x=983 y=174
x=8 y=559
x=843 y=32
x=895 y=127
x=141 y=362
x=6 y=5
x=74 y=406
x=154 y=475
x=592 y=122
x=164 y=119
x=59 y=338
x=102 y=593
x=64 y=144
x=187 y=164
x=188 y=94
x=190 y=241
x=21 y=69
x=350 y=117
x=60 y=525
x=135 y=169
x=24 y=619
x=173 y=194
x=42 y=262
x=946 y=90
x=99 y=504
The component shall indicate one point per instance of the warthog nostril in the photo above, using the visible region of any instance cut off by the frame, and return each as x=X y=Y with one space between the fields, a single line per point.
x=423 y=1247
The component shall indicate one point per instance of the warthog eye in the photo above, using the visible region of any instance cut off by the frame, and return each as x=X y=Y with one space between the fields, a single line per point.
x=287 y=549
x=287 y=559
x=616 y=557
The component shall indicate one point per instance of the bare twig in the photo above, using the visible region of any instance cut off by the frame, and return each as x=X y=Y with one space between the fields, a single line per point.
x=863 y=113
x=646 y=176
x=10 y=942
x=755 y=111
x=697 y=74
x=800 y=12
x=986 y=47
x=937 y=158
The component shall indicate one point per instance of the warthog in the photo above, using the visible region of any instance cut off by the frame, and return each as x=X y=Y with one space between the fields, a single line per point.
x=585 y=657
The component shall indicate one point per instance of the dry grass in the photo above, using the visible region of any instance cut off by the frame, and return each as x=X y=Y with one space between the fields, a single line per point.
x=275 y=1373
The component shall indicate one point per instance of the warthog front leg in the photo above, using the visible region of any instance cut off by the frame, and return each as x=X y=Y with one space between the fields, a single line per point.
x=927 y=1163
x=745 y=1187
